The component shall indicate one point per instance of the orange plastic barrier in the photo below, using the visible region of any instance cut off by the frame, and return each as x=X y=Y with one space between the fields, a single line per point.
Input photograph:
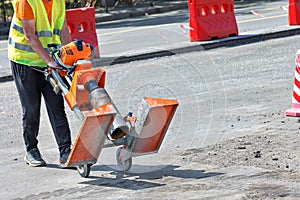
x=294 y=12
x=211 y=19
x=295 y=110
x=81 y=23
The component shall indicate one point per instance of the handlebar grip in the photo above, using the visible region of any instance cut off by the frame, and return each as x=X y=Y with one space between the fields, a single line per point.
x=52 y=45
x=59 y=81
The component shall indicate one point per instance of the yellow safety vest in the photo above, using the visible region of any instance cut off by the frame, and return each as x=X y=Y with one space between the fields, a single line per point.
x=19 y=49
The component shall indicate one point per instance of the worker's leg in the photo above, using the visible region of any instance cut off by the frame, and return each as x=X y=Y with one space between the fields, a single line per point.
x=56 y=111
x=28 y=83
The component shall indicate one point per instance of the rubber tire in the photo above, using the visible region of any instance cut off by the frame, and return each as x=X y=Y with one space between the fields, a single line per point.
x=84 y=170
x=126 y=165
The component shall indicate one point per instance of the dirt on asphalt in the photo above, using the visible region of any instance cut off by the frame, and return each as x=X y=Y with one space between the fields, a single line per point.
x=274 y=149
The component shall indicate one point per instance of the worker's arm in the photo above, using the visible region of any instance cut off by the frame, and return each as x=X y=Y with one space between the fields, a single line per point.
x=65 y=34
x=33 y=40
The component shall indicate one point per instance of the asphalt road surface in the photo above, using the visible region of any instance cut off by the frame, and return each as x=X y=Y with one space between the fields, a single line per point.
x=229 y=138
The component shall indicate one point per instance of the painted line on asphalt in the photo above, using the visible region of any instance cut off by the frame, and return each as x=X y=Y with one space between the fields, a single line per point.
x=134 y=29
x=274 y=8
x=111 y=42
x=262 y=18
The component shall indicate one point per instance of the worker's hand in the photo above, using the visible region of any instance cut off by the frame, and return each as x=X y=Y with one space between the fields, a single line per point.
x=52 y=64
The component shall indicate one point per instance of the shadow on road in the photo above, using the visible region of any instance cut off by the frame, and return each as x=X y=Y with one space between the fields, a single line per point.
x=137 y=181
x=55 y=166
x=123 y=183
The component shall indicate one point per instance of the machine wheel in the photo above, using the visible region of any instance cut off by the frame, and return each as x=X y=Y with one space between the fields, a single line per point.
x=123 y=165
x=84 y=170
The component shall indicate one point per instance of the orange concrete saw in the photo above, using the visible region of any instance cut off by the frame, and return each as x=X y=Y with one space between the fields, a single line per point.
x=83 y=87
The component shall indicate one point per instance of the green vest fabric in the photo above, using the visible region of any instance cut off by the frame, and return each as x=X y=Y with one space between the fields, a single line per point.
x=19 y=49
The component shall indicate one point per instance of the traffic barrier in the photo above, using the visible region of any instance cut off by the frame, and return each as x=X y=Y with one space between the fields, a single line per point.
x=295 y=110
x=294 y=12
x=81 y=23
x=211 y=19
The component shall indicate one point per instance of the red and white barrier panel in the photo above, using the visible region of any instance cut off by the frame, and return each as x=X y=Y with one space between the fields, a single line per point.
x=295 y=110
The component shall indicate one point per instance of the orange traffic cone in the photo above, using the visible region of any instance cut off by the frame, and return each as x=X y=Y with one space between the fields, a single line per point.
x=295 y=110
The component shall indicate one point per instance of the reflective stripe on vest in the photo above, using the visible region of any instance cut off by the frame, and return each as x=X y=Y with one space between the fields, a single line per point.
x=19 y=49
x=24 y=47
x=39 y=34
